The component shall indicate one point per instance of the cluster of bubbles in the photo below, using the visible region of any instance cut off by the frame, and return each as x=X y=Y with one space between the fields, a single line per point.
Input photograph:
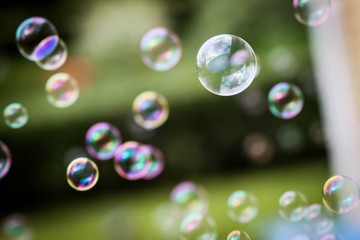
x=16 y=227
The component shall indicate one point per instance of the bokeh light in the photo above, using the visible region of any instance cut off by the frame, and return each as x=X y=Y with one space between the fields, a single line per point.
x=259 y=148
x=82 y=174
x=5 y=159
x=242 y=206
x=16 y=227
x=292 y=206
x=62 y=90
x=196 y=226
x=312 y=12
x=16 y=115
x=238 y=235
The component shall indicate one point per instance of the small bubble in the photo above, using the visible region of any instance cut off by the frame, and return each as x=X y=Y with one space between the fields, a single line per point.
x=238 y=235
x=242 y=206
x=82 y=174
x=62 y=90
x=292 y=206
x=16 y=227
x=16 y=115
x=156 y=162
x=317 y=220
x=56 y=58
x=196 y=226
x=312 y=12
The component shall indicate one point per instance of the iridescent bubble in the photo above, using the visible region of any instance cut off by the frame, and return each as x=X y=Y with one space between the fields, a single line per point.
x=312 y=12
x=5 y=159
x=16 y=115
x=161 y=49
x=56 y=58
x=156 y=162
x=226 y=65
x=302 y=237
x=16 y=227
x=285 y=100
x=332 y=236
x=102 y=139
x=82 y=174
x=150 y=109
x=340 y=194
x=62 y=90
x=196 y=226
x=317 y=220
x=238 y=235
x=242 y=206
x=35 y=38
x=131 y=161
x=190 y=197
x=292 y=206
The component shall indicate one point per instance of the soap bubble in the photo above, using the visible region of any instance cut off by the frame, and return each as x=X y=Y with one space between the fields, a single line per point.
x=102 y=139
x=16 y=227
x=340 y=194
x=56 y=58
x=82 y=174
x=16 y=115
x=285 y=100
x=161 y=49
x=292 y=206
x=62 y=90
x=5 y=159
x=226 y=65
x=242 y=206
x=302 y=237
x=312 y=12
x=196 y=226
x=332 y=236
x=150 y=109
x=156 y=162
x=35 y=38
x=317 y=220
x=238 y=235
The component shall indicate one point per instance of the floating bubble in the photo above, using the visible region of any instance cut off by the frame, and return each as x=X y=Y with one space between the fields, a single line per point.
x=292 y=206
x=312 y=12
x=332 y=236
x=62 y=90
x=226 y=65
x=242 y=206
x=35 y=38
x=5 y=159
x=259 y=148
x=150 y=109
x=161 y=49
x=156 y=162
x=16 y=115
x=102 y=139
x=196 y=226
x=317 y=220
x=285 y=100
x=56 y=58
x=302 y=237
x=16 y=227
x=238 y=235
x=340 y=194
x=82 y=174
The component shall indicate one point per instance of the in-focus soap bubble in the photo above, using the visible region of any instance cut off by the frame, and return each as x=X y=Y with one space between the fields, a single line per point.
x=226 y=65
x=118 y=224
x=238 y=235
x=62 y=90
x=150 y=109
x=131 y=161
x=312 y=12
x=318 y=220
x=156 y=161
x=102 y=139
x=82 y=174
x=302 y=237
x=196 y=226
x=15 y=115
x=5 y=159
x=190 y=197
x=259 y=148
x=332 y=236
x=340 y=194
x=161 y=49
x=16 y=227
x=285 y=100
x=56 y=58
x=242 y=206
x=292 y=206
x=35 y=38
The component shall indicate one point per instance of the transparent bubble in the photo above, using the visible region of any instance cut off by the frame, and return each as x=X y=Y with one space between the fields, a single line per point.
x=242 y=206
x=5 y=159
x=102 y=139
x=62 y=90
x=312 y=12
x=259 y=148
x=16 y=227
x=292 y=206
x=190 y=197
x=226 y=65
x=56 y=58
x=332 y=236
x=150 y=110
x=285 y=100
x=131 y=161
x=156 y=162
x=35 y=38
x=238 y=235
x=16 y=115
x=82 y=174
x=161 y=49
x=196 y=226
x=340 y=194
x=317 y=219
x=302 y=237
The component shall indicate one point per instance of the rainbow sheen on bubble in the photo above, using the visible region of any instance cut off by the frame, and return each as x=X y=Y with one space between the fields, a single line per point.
x=161 y=49
x=15 y=115
x=35 y=38
x=5 y=159
x=285 y=100
x=62 y=90
x=150 y=110
x=226 y=65
x=82 y=174
x=16 y=227
x=196 y=226
x=332 y=236
x=56 y=58
x=238 y=235
x=340 y=194
x=302 y=237
x=317 y=220
x=102 y=139
x=292 y=206
x=156 y=161
x=312 y=12
x=242 y=206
